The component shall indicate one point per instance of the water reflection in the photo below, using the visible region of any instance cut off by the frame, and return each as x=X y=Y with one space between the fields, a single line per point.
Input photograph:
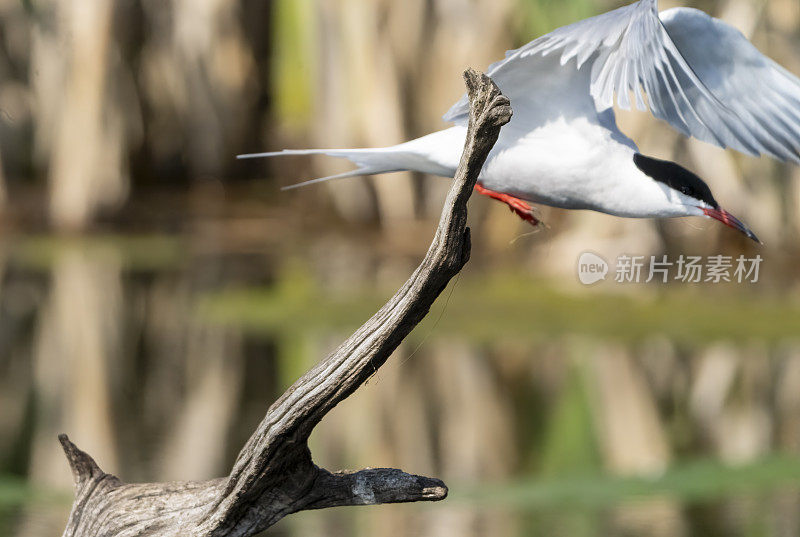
x=141 y=350
x=549 y=410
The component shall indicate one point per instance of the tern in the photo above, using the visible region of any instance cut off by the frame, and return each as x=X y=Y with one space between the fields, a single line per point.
x=563 y=148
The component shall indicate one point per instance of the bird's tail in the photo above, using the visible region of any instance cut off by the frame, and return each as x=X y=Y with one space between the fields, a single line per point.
x=368 y=161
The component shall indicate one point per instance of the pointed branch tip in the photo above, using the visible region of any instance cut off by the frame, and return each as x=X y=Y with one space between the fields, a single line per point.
x=82 y=464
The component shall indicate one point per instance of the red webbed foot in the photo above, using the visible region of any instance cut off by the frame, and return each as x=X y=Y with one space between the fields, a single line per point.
x=519 y=207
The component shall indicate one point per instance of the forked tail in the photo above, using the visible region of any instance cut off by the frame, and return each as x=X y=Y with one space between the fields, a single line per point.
x=368 y=161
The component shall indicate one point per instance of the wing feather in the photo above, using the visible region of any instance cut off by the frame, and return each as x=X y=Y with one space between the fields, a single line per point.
x=699 y=74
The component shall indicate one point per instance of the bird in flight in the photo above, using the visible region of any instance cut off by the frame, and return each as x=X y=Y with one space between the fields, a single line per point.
x=563 y=148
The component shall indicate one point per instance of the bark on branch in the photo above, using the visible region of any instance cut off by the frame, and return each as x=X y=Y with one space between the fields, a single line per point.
x=274 y=475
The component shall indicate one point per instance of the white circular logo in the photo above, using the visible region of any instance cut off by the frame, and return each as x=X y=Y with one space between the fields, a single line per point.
x=591 y=268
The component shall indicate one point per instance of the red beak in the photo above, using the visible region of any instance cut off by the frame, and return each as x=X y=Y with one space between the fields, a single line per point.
x=731 y=221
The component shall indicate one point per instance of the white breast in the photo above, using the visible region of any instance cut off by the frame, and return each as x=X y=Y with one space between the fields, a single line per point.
x=568 y=163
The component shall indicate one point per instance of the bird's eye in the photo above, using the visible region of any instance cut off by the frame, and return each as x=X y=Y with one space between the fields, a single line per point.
x=686 y=190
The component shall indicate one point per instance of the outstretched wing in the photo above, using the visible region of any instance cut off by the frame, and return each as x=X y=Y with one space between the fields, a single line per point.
x=762 y=96
x=699 y=74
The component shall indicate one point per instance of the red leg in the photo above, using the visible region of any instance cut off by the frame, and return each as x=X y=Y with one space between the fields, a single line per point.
x=520 y=207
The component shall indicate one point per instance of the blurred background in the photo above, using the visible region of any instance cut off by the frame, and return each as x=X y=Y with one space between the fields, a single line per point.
x=156 y=295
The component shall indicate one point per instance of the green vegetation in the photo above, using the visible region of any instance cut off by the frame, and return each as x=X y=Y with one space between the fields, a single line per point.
x=543 y=16
x=16 y=492
x=293 y=67
x=137 y=252
x=696 y=481
x=569 y=444
x=518 y=307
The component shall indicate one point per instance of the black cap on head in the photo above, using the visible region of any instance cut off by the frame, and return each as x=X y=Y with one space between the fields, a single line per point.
x=676 y=177
x=685 y=182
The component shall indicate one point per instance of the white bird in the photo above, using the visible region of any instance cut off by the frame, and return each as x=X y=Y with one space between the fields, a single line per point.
x=563 y=148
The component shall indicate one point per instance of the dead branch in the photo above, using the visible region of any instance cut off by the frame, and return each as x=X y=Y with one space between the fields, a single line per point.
x=274 y=475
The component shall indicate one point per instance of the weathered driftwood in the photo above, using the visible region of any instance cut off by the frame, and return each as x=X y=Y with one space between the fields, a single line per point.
x=274 y=475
